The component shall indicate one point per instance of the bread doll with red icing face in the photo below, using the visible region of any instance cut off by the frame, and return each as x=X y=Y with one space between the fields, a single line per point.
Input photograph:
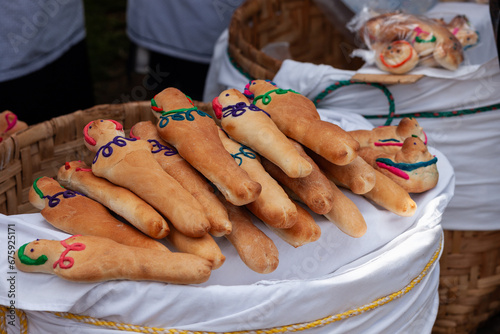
x=75 y=213
x=253 y=127
x=77 y=176
x=296 y=116
x=90 y=259
x=194 y=135
x=9 y=124
x=129 y=163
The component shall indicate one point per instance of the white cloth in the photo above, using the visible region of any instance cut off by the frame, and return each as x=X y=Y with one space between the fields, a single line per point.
x=185 y=29
x=35 y=33
x=395 y=264
x=471 y=142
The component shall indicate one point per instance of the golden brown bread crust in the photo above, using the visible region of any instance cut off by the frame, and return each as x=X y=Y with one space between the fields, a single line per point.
x=254 y=247
x=96 y=259
x=198 y=142
x=313 y=190
x=253 y=127
x=391 y=196
x=77 y=175
x=296 y=116
x=78 y=214
x=346 y=215
x=130 y=164
x=273 y=206
x=10 y=124
x=389 y=138
x=358 y=175
x=204 y=246
x=304 y=231
x=187 y=176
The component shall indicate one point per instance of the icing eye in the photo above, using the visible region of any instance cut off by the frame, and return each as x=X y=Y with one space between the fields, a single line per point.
x=32 y=250
x=227 y=94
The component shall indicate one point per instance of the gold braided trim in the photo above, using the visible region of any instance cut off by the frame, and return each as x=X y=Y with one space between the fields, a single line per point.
x=23 y=320
x=284 y=329
x=3 y=318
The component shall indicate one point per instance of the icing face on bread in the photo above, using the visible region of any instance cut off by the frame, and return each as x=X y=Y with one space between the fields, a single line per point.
x=398 y=57
x=101 y=129
x=9 y=124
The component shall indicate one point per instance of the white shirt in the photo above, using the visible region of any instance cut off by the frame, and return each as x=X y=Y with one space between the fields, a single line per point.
x=185 y=29
x=35 y=33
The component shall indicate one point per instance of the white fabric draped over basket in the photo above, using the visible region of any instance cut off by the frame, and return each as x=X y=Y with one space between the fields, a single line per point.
x=470 y=142
x=383 y=282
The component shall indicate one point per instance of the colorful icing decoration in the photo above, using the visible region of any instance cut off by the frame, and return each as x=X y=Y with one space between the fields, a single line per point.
x=107 y=149
x=29 y=261
x=395 y=44
x=239 y=109
x=77 y=246
x=10 y=123
x=399 y=168
x=388 y=142
x=157 y=148
x=90 y=140
x=266 y=98
x=179 y=115
x=247 y=91
x=155 y=107
x=246 y=152
x=54 y=200
x=393 y=170
x=422 y=36
x=78 y=169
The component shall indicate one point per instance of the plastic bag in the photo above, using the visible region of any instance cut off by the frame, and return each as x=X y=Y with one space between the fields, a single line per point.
x=397 y=42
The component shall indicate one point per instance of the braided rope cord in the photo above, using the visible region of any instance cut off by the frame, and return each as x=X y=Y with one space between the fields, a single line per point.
x=284 y=329
x=392 y=108
x=23 y=320
x=333 y=87
x=3 y=320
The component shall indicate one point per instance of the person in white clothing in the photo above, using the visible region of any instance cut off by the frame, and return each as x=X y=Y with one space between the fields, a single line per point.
x=179 y=38
x=44 y=66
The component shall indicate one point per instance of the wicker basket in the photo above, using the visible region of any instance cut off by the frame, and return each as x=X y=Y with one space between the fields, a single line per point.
x=43 y=148
x=310 y=34
x=469 y=289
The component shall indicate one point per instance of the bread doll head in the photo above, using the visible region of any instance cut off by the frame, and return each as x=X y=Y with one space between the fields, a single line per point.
x=258 y=87
x=66 y=172
x=170 y=99
x=99 y=132
x=227 y=98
